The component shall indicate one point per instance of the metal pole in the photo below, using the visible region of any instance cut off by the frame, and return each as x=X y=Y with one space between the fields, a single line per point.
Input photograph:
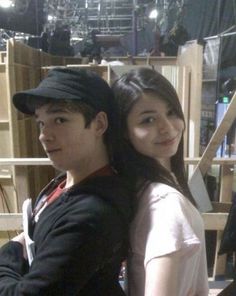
x=135 y=41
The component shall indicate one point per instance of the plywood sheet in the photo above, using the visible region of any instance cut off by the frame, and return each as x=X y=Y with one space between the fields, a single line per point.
x=3 y=95
x=4 y=140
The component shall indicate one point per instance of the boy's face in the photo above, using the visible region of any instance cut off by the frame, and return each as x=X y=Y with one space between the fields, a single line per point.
x=68 y=144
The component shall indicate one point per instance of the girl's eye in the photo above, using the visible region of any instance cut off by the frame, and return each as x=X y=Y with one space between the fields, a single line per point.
x=148 y=120
x=171 y=112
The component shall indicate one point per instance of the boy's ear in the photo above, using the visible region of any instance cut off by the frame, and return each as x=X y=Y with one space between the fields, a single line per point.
x=101 y=123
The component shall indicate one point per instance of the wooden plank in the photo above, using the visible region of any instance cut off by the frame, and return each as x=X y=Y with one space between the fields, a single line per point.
x=5 y=176
x=3 y=94
x=21 y=184
x=101 y=70
x=211 y=148
x=73 y=60
x=226 y=188
x=5 y=236
x=226 y=184
x=8 y=194
x=219 y=266
x=217 y=137
x=191 y=56
x=199 y=192
x=179 y=76
x=172 y=74
x=149 y=60
x=13 y=138
x=4 y=140
x=221 y=207
x=3 y=56
x=10 y=222
x=11 y=87
x=24 y=71
x=25 y=161
x=215 y=161
x=214 y=221
x=26 y=55
x=183 y=91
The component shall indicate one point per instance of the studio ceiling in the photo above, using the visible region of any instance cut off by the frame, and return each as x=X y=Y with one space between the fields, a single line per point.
x=81 y=16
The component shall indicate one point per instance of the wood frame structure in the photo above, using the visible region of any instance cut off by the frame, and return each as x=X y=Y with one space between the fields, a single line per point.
x=23 y=172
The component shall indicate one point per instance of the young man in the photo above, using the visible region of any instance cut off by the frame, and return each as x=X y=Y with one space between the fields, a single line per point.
x=76 y=236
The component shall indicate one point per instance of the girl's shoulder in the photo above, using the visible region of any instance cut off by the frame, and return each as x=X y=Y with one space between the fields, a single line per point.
x=161 y=197
x=159 y=191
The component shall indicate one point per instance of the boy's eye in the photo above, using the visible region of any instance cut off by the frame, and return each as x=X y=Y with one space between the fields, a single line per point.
x=40 y=124
x=60 y=120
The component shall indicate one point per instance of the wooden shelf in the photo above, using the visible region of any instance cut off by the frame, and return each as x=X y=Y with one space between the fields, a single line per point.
x=5 y=177
x=46 y=161
x=215 y=221
x=10 y=222
x=208 y=80
x=25 y=161
x=219 y=161
x=4 y=122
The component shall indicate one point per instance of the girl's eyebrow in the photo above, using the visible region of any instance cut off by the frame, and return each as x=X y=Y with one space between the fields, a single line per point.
x=146 y=112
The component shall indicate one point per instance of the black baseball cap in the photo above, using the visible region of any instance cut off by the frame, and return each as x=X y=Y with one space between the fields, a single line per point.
x=67 y=83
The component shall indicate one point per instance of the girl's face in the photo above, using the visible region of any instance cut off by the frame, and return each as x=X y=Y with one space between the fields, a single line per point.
x=154 y=129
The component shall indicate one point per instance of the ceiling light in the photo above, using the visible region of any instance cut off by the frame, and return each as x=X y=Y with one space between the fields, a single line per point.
x=6 y=3
x=51 y=18
x=153 y=14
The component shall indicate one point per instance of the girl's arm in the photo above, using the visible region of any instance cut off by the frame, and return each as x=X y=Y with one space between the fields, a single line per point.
x=162 y=275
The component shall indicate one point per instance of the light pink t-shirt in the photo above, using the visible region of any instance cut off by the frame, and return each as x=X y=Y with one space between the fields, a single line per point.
x=167 y=222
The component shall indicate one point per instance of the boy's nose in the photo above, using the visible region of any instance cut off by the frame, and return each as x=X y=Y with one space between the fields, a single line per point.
x=45 y=134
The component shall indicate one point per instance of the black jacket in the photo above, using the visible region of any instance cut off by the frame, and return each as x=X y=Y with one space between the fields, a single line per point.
x=80 y=241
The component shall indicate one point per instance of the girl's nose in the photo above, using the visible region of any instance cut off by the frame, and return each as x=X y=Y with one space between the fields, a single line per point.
x=164 y=125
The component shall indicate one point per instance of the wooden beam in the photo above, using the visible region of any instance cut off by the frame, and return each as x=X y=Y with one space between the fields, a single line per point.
x=226 y=184
x=191 y=55
x=46 y=161
x=216 y=160
x=209 y=153
x=219 y=267
x=10 y=222
x=25 y=161
x=214 y=221
x=13 y=221
x=217 y=137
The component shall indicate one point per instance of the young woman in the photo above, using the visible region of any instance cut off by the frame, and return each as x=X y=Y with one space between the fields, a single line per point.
x=167 y=256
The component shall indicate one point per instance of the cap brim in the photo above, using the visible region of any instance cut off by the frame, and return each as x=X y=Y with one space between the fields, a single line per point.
x=25 y=101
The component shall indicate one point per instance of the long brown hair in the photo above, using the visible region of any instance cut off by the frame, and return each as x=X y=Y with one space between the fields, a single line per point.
x=134 y=166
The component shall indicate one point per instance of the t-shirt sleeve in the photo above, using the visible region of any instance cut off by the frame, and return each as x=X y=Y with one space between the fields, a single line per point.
x=170 y=226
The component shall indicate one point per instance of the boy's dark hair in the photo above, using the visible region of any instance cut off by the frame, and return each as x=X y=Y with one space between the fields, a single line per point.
x=78 y=89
